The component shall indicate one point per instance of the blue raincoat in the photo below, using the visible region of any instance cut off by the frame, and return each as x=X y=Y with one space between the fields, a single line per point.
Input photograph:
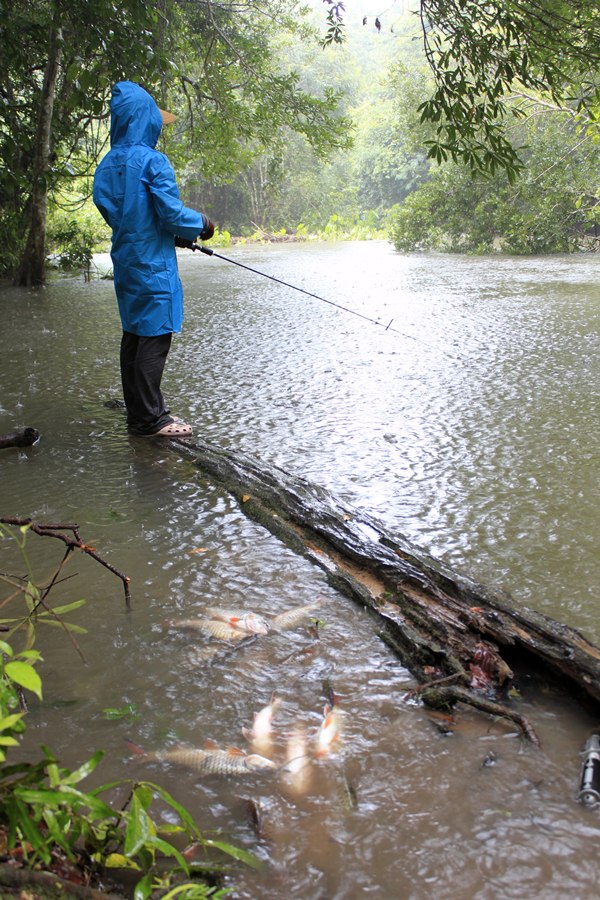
x=136 y=192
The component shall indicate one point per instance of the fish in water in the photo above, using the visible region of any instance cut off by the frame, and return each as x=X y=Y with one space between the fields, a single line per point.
x=255 y=811
x=211 y=760
x=211 y=627
x=329 y=731
x=292 y=618
x=250 y=622
x=347 y=793
x=261 y=733
x=297 y=769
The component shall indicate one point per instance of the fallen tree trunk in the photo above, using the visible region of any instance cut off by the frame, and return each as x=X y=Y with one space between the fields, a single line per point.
x=459 y=640
x=24 y=438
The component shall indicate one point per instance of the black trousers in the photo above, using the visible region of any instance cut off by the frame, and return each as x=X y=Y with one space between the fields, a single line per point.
x=142 y=364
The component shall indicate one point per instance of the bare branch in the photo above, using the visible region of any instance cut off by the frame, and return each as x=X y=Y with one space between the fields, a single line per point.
x=44 y=529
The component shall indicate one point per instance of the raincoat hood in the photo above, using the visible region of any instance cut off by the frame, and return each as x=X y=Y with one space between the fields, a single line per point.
x=136 y=192
x=134 y=116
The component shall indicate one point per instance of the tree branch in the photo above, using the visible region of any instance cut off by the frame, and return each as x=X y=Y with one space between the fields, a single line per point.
x=44 y=529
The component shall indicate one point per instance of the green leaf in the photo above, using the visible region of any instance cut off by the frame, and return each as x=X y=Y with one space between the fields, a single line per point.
x=144 y=794
x=118 y=861
x=140 y=828
x=57 y=830
x=98 y=808
x=169 y=850
x=143 y=888
x=103 y=788
x=39 y=797
x=236 y=852
x=29 y=831
x=53 y=774
x=111 y=712
x=30 y=654
x=181 y=811
x=67 y=608
x=32 y=595
x=86 y=769
x=66 y=626
x=10 y=721
x=24 y=675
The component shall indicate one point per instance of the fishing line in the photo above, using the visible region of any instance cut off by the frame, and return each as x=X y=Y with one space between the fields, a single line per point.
x=388 y=327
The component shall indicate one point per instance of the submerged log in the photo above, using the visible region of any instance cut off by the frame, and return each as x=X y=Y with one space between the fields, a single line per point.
x=24 y=438
x=459 y=639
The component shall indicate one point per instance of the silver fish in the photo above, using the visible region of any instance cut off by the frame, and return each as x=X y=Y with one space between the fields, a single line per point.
x=292 y=618
x=212 y=760
x=261 y=733
x=211 y=627
x=250 y=622
x=297 y=769
x=329 y=731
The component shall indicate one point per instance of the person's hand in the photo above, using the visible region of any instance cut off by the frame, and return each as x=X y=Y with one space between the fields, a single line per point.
x=208 y=230
x=183 y=243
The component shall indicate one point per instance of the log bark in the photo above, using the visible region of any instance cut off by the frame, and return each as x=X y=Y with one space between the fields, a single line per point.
x=32 y=883
x=443 y=626
x=26 y=437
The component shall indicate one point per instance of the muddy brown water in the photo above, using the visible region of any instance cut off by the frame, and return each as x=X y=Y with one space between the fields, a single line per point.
x=475 y=436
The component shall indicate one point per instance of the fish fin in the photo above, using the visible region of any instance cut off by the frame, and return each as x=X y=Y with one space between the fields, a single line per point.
x=210 y=745
x=136 y=750
x=235 y=751
x=247 y=732
x=213 y=614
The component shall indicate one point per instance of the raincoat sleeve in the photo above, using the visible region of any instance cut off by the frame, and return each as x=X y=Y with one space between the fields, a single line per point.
x=172 y=214
x=102 y=205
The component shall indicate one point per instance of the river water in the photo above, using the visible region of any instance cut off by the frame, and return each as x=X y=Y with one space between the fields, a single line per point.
x=473 y=433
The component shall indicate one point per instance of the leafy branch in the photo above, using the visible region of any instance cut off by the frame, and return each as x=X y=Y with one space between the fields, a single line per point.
x=335 y=23
x=481 y=52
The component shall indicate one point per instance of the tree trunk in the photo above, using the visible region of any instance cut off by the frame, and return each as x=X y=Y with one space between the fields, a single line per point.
x=32 y=268
x=459 y=639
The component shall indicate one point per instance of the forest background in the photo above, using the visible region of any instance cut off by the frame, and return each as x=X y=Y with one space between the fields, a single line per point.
x=441 y=125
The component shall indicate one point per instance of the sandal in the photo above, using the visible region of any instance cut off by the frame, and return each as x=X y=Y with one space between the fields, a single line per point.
x=174 y=429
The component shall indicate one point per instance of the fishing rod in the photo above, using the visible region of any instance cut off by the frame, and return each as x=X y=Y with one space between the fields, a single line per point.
x=388 y=327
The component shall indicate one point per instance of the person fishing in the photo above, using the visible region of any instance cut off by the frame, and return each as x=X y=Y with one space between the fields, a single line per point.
x=136 y=193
